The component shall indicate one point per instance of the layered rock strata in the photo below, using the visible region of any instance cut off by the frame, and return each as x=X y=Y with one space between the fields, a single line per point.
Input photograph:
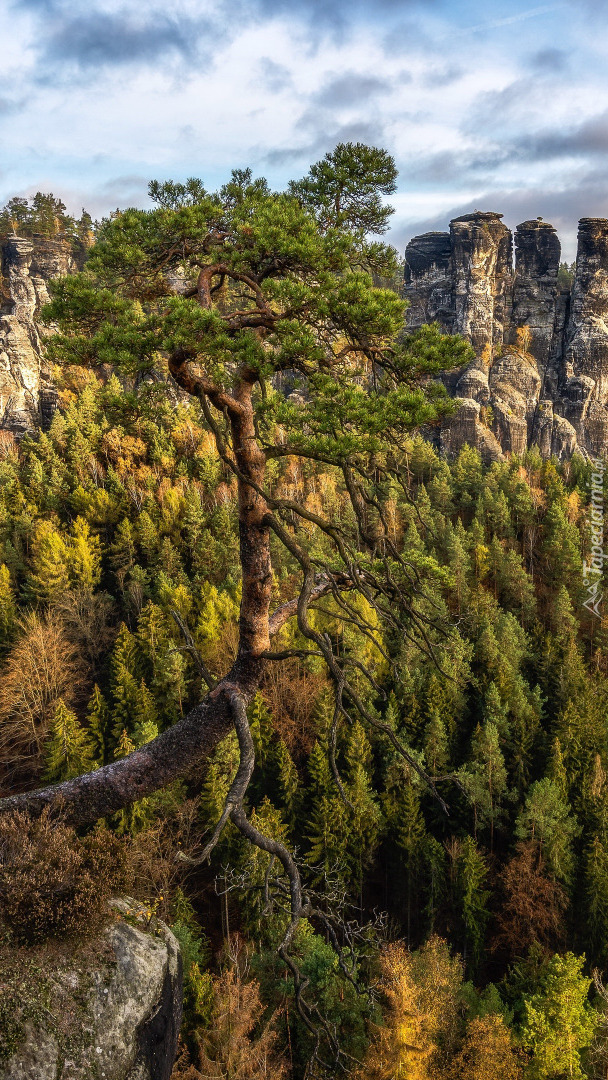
x=27 y=396
x=540 y=374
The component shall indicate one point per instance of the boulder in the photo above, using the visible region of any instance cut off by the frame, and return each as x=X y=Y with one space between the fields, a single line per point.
x=121 y=1008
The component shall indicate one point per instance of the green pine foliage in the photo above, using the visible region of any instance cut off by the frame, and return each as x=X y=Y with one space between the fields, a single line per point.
x=69 y=749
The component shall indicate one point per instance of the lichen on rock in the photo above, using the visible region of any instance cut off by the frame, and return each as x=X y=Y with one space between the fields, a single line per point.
x=108 y=1009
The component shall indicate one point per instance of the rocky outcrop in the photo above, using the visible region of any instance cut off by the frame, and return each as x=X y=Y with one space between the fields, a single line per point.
x=126 y=1010
x=541 y=368
x=482 y=256
x=27 y=396
x=535 y=289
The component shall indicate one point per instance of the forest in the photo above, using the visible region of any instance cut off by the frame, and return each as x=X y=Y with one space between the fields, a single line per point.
x=427 y=718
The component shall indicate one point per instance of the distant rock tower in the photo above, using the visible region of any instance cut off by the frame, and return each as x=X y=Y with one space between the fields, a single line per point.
x=27 y=396
x=541 y=352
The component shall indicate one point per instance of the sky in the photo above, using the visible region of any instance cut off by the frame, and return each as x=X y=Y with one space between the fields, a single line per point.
x=498 y=105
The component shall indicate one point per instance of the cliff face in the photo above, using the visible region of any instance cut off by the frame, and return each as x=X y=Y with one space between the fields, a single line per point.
x=27 y=397
x=541 y=352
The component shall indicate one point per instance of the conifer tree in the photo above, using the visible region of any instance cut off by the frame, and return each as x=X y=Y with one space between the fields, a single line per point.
x=410 y=837
x=123 y=551
x=125 y=685
x=8 y=608
x=288 y=786
x=260 y=722
x=124 y=746
x=435 y=744
x=50 y=575
x=84 y=557
x=546 y=820
x=485 y=777
x=595 y=892
x=98 y=724
x=69 y=751
x=327 y=821
x=559 y=1022
x=472 y=898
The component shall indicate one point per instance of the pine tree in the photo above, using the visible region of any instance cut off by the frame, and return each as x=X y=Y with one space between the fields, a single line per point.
x=50 y=576
x=546 y=820
x=435 y=744
x=84 y=557
x=147 y=536
x=124 y=746
x=124 y=685
x=262 y=729
x=559 y=1023
x=98 y=724
x=8 y=608
x=69 y=751
x=145 y=717
x=163 y=665
x=472 y=899
x=410 y=837
x=288 y=785
x=484 y=777
x=365 y=819
x=556 y=770
x=123 y=551
x=595 y=891
x=327 y=822
x=495 y=712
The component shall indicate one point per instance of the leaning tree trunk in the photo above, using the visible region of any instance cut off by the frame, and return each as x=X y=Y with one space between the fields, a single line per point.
x=168 y=757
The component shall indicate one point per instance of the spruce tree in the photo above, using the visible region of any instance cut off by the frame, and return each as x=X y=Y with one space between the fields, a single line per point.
x=69 y=751
x=472 y=898
x=559 y=1022
x=98 y=724
x=410 y=835
x=8 y=608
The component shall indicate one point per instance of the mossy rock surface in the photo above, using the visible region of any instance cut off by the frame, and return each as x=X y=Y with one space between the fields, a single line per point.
x=107 y=1008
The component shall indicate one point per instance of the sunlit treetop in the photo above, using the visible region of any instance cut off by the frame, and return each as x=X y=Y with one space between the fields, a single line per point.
x=244 y=283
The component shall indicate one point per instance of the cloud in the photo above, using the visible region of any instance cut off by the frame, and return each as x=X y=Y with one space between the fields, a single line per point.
x=351 y=88
x=275 y=77
x=436 y=76
x=589 y=138
x=550 y=60
x=337 y=15
x=371 y=133
x=100 y=39
x=563 y=207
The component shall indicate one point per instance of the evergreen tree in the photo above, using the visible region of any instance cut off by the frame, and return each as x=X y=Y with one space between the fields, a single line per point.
x=595 y=887
x=8 y=608
x=98 y=724
x=69 y=751
x=410 y=837
x=485 y=777
x=50 y=575
x=547 y=821
x=288 y=787
x=327 y=828
x=559 y=1022
x=84 y=557
x=472 y=899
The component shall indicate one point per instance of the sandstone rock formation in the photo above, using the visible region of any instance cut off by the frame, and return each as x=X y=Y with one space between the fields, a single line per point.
x=27 y=396
x=540 y=376
x=127 y=1011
